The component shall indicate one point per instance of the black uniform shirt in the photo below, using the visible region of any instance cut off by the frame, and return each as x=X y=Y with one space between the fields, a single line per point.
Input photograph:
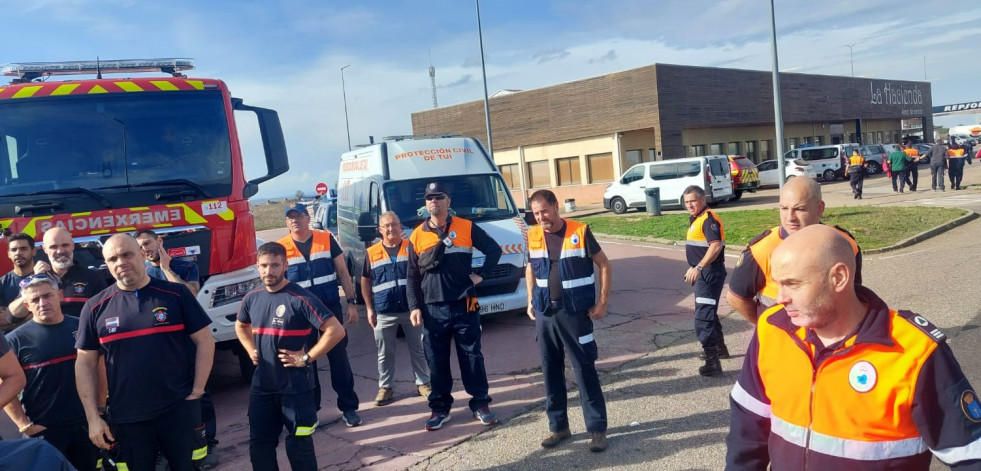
x=553 y=242
x=145 y=335
x=10 y=288
x=47 y=354
x=78 y=285
x=284 y=319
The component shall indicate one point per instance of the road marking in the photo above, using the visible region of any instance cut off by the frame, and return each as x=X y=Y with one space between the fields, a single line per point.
x=898 y=255
x=672 y=248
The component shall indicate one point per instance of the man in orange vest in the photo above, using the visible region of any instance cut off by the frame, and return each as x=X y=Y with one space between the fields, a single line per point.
x=751 y=288
x=442 y=298
x=316 y=262
x=562 y=302
x=705 y=250
x=383 y=282
x=855 y=171
x=835 y=379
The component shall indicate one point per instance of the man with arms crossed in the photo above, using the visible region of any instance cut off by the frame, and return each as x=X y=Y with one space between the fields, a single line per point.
x=562 y=302
x=273 y=325
x=158 y=353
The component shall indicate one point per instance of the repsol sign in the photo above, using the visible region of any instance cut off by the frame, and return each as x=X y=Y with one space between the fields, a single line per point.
x=971 y=105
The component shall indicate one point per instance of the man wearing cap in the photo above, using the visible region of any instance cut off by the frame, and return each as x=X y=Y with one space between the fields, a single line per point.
x=21 y=251
x=442 y=298
x=316 y=262
x=45 y=348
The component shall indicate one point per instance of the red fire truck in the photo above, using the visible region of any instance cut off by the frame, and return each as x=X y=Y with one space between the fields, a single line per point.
x=108 y=155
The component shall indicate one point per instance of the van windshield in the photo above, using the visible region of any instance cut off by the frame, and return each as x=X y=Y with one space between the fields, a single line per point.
x=474 y=197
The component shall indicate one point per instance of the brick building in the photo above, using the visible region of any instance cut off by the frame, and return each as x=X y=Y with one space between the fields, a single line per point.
x=577 y=137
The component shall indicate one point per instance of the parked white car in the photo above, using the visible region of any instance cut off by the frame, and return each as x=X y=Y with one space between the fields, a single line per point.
x=770 y=175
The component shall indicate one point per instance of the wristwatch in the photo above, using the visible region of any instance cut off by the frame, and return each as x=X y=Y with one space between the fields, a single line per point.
x=697 y=267
x=305 y=359
x=351 y=301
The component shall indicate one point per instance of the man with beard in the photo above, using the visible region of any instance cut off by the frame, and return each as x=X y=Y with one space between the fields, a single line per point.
x=78 y=283
x=158 y=352
x=162 y=266
x=45 y=348
x=21 y=251
x=273 y=325
x=835 y=379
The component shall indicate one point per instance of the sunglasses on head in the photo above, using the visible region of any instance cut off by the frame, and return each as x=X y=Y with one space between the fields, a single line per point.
x=435 y=197
x=38 y=278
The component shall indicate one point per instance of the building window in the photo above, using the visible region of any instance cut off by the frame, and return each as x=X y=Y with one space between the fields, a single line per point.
x=879 y=135
x=538 y=174
x=751 y=151
x=733 y=149
x=717 y=148
x=567 y=171
x=697 y=150
x=819 y=140
x=600 y=167
x=651 y=155
x=633 y=157
x=510 y=174
x=766 y=150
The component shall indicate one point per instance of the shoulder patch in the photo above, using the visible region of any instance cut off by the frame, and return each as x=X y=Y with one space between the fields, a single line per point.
x=926 y=326
x=758 y=238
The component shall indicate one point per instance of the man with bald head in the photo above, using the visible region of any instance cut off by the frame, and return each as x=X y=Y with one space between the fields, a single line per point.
x=158 y=352
x=835 y=379
x=78 y=283
x=751 y=288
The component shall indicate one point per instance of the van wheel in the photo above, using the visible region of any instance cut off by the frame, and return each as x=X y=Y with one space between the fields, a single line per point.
x=873 y=168
x=736 y=195
x=829 y=175
x=618 y=206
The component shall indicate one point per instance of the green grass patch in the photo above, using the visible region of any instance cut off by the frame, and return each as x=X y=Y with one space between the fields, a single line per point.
x=873 y=227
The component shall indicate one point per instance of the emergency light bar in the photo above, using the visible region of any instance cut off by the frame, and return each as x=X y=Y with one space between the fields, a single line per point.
x=27 y=71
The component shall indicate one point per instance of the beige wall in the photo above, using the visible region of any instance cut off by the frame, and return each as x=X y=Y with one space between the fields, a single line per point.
x=584 y=193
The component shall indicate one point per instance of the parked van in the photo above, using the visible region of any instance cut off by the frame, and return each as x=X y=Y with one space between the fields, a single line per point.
x=829 y=162
x=392 y=176
x=710 y=172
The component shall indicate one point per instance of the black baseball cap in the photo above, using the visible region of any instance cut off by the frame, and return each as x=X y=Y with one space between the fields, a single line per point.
x=436 y=188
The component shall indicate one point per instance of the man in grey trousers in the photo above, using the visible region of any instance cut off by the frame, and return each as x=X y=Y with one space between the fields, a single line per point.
x=938 y=162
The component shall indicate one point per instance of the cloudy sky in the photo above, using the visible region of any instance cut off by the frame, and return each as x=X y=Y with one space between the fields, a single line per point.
x=287 y=54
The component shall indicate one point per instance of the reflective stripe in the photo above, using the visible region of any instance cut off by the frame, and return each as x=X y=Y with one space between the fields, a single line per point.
x=304 y=283
x=845 y=448
x=325 y=279
x=586 y=339
x=705 y=301
x=381 y=263
x=569 y=284
x=199 y=454
x=971 y=451
x=766 y=300
x=697 y=243
x=296 y=260
x=304 y=431
x=120 y=466
x=319 y=255
x=456 y=249
x=402 y=258
x=573 y=253
x=388 y=285
x=541 y=283
x=538 y=254
x=749 y=402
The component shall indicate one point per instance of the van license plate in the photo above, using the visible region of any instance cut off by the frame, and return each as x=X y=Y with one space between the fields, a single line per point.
x=489 y=308
x=477 y=262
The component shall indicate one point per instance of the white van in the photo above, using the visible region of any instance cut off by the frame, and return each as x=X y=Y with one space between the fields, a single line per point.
x=392 y=176
x=710 y=172
x=829 y=162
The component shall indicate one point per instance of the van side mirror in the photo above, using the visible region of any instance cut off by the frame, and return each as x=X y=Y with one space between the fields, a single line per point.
x=367 y=229
x=529 y=218
x=317 y=225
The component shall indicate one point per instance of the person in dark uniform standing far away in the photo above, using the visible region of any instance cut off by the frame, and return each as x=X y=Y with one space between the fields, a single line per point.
x=273 y=325
x=562 y=302
x=955 y=161
x=161 y=266
x=159 y=353
x=45 y=348
x=751 y=288
x=938 y=165
x=834 y=379
x=21 y=251
x=912 y=167
x=442 y=298
x=856 y=173
x=78 y=283
x=705 y=249
x=383 y=282
x=316 y=262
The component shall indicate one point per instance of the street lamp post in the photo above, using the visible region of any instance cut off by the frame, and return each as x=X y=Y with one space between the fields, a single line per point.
x=777 y=102
x=851 y=58
x=344 y=93
x=483 y=69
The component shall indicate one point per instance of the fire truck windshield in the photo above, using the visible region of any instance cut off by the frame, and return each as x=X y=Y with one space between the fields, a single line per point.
x=115 y=144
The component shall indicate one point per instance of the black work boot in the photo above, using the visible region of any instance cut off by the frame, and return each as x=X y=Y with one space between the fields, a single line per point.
x=712 y=366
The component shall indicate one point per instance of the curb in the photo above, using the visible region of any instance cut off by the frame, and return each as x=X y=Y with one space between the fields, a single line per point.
x=927 y=234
